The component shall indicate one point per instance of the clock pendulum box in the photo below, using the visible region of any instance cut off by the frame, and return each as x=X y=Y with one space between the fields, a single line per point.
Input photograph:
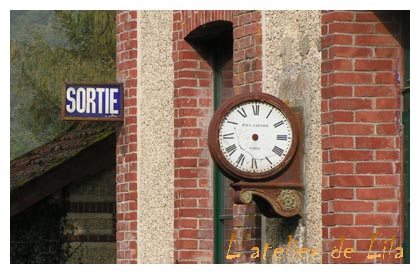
x=278 y=192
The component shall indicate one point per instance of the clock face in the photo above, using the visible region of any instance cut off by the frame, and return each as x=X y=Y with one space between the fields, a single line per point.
x=255 y=137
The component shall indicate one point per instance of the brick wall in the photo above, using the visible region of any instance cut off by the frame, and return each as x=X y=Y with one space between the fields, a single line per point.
x=126 y=178
x=361 y=133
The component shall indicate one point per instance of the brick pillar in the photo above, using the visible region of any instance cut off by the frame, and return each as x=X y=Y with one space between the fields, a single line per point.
x=360 y=133
x=247 y=229
x=193 y=108
x=247 y=77
x=126 y=151
x=247 y=52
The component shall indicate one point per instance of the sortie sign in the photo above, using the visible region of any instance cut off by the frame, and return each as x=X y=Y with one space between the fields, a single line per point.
x=98 y=102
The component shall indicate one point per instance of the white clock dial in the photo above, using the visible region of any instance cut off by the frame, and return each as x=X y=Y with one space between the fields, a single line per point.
x=255 y=136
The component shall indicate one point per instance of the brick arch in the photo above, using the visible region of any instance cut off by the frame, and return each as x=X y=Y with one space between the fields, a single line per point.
x=192 y=19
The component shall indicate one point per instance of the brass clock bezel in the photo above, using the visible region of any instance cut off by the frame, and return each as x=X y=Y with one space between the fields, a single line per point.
x=213 y=137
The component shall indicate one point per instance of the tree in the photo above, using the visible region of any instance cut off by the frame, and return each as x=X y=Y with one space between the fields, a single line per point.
x=39 y=69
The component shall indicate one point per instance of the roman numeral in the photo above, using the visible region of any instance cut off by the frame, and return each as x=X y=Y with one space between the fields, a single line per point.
x=268 y=160
x=282 y=137
x=231 y=149
x=279 y=124
x=269 y=113
x=243 y=113
x=256 y=110
x=240 y=160
x=228 y=136
x=254 y=163
x=278 y=151
x=232 y=122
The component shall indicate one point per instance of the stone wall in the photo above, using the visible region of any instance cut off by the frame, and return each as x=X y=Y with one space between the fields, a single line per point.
x=292 y=72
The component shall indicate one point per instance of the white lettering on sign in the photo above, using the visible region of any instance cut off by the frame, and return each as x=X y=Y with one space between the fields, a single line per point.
x=92 y=100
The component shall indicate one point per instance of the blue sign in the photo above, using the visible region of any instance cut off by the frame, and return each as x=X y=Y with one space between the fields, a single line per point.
x=93 y=102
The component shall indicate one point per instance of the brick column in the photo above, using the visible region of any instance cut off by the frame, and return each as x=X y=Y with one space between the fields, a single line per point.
x=361 y=136
x=193 y=107
x=247 y=52
x=247 y=77
x=126 y=188
x=247 y=229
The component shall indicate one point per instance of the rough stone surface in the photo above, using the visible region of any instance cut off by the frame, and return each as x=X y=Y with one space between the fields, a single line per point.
x=155 y=138
x=292 y=72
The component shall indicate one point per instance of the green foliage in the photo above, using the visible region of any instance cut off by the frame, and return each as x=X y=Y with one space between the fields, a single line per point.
x=37 y=234
x=39 y=69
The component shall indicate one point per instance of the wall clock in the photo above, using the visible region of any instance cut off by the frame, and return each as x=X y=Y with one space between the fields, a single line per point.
x=252 y=137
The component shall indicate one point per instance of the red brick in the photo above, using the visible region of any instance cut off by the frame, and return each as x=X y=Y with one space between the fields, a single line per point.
x=195 y=212
x=387 y=206
x=336 y=91
x=351 y=181
x=374 y=168
x=191 y=183
x=387 y=52
x=370 y=65
x=374 y=219
x=187 y=152
x=185 y=244
x=386 y=78
x=375 y=40
x=352 y=206
x=374 y=91
x=338 y=168
x=351 y=155
x=374 y=142
x=192 y=173
x=337 y=219
x=337 y=16
x=185 y=83
x=186 y=203
x=185 y=122
x=337 y=116
x=388 y=155
x=337 y=142
x=356 y=28
x=350 y=104
x=350 y=52
x=191 y=132
x=336 y=39
x=350 y=78
x=387 y=232
x=194 y=193
x=367 y=17
x=376 y=116
x=375 y=193
x=330 y=245
x=351 y=232
x=365 y=245
x=351 y=129
x=337 y=193
x=387 y=180
x=388 y=103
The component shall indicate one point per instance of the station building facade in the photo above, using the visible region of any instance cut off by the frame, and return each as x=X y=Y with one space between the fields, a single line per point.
x=346 y=71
